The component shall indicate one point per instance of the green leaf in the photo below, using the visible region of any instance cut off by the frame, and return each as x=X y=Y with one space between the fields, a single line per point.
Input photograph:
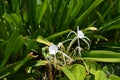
x=11 y=69
x=103 y=56
x=23 y=62
x=74 y=72
x=109 y=23
x=13 y=19
x=99 y=75
x=107 y=12
x=31 y=11
x=30 y=46
x=15 y=6
x=42 y=40
x=100 y=16
x=92 y=66
x=69 y=10
x=3 y=31
x=7 y=70
x=60 y=11
x=36 y=63
x=119 y=7
x=1 y=8
x=18 y=45
x=112 y=27
x=114 y=77
x=9 y=48
x=111 y=60
x=81 y=18
x=58 y=34
x=41 y=10
x=100 y=37
x=77 y=6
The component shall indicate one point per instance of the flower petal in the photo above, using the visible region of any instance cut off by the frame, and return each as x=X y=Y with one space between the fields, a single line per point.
x=71 y=33
x=53 y=49
x=80 y=34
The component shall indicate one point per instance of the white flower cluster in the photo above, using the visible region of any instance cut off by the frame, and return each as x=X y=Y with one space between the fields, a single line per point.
x=79 y=35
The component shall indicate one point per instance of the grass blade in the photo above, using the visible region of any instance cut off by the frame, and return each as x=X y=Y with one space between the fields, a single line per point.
x=103 y=56
x=58 y=34
x=69 y=10
x=81 y=18
x=9 y=48
x=13 y=19
x=77 y=6
x=11 y=69
x=107 y=24
x=31 y=5
x=18 y=46
x=41 y=10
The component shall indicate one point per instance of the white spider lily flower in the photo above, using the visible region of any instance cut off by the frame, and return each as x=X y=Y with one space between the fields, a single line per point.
x=53 y=50
x=60 y=44
x=79 y=35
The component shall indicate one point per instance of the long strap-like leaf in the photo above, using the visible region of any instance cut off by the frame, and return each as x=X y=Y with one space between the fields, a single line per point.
x=9 y=48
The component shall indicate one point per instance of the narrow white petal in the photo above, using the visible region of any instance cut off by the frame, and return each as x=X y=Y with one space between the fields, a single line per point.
x=64 y=54
x=71 y=33
x=72 y=42
x=66 y=40
x=78 y=42
x=86 y=43
x=87 y=39
x=64 y=59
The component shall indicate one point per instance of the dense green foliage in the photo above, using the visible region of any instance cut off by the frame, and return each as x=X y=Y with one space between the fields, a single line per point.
x=28 y=27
